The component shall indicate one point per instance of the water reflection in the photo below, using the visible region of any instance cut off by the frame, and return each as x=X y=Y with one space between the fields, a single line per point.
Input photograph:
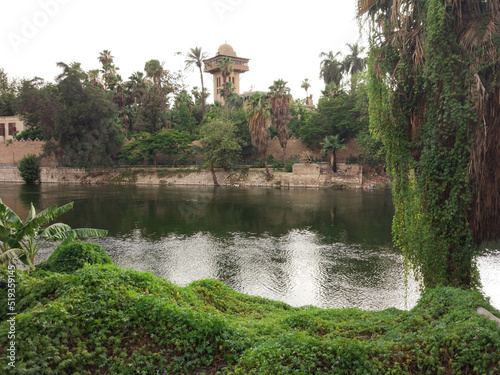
x=320 y=247
x=297 y=268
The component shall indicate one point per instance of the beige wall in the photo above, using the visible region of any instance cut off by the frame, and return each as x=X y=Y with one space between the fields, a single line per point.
x=219 y=84
x=295 y=147
x=5 y=121
x=11 y=154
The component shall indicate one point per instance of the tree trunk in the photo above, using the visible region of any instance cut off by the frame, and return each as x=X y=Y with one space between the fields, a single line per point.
x=202 y=95
x=334 y=162
x=212 y=170
x=268 y=174
x=139 y=116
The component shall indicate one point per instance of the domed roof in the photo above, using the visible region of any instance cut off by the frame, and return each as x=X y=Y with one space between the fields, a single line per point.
x=226 y=50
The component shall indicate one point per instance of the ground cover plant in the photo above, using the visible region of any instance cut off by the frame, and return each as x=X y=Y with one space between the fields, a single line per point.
x=102 y=319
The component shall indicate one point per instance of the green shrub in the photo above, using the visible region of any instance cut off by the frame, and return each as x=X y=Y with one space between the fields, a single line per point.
x=68 y=258
x=277 y=165
x=29 y=168
x=289 y=165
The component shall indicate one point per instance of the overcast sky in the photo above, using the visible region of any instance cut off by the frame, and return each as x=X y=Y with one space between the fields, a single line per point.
x=282 y=38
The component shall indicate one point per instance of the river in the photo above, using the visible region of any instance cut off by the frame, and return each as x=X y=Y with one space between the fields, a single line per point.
x=326 y=248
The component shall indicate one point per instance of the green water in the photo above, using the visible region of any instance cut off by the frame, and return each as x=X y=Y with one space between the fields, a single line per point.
x=322 y=247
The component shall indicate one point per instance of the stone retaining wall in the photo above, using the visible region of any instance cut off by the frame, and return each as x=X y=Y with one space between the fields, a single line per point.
x=309 y=175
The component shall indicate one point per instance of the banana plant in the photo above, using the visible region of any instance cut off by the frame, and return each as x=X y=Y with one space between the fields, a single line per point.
x=24 y=240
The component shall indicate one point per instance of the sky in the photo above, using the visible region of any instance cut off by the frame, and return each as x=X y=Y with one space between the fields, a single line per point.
x=282 y=38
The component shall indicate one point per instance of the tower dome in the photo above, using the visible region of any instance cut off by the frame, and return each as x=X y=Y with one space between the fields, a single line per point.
x=226 y=50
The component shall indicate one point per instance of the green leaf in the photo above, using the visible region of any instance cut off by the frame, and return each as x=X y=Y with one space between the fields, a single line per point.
x=9 y=217
x=55 y=230
x=87 y=232
x=10 y=254
x=31 y=214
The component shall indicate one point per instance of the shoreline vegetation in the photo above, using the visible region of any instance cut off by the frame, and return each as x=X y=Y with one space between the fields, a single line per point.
x=104 y=319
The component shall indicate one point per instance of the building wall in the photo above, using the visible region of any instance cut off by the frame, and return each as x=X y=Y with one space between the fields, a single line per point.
x=219 y=84
x=8 y=125
x=11 y=154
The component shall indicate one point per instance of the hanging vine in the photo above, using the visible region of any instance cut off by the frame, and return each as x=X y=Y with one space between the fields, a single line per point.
x=435 y=103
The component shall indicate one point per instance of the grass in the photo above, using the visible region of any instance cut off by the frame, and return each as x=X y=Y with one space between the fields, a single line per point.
x=103 y=319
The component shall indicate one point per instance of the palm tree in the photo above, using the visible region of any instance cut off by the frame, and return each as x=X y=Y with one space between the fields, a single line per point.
x=257 y=113
x=94 y=79
x=108 y=67
x=306 y=84
x=225 y=64
x=332 y=143
x=352 y=63
x=280 y=99
x=194 y=58
x=137 y=87
x=331 y=69
x=68 y=70
x=156 y=72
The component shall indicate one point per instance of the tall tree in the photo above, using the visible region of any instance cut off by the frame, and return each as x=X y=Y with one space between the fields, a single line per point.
x=157 y=73
x=279 y=99
x=8 y=90
x=221 y=145
x=39 y=103
x=331 y=69
x=85 y=128
x=306 y=84
x=109 y=70
x=194 y=58
x=137 y=87
x=257 y=112
x=434 y=94
x=353 y=63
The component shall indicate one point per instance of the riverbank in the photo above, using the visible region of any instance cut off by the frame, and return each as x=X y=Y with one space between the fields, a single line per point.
x=104 y=319
x=349 y=176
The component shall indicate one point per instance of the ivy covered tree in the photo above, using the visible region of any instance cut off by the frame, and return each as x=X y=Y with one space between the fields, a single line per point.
x=434 y=102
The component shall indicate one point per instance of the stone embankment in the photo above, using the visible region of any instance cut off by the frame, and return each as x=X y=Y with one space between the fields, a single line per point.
x=304 y=175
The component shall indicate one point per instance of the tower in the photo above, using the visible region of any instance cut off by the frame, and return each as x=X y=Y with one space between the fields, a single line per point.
x=239 y=65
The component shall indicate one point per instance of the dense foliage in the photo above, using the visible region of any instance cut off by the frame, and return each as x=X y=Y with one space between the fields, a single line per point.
x=434 y=94
x=173 y=143
x=103 y=319
x=67 y=258
x=29 y=168
x=221 y=145
x=23 y=240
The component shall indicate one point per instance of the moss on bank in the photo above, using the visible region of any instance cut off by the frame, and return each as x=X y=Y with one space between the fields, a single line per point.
x=104 y=319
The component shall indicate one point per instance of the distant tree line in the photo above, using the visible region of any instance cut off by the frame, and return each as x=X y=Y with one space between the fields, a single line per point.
x=86 y=116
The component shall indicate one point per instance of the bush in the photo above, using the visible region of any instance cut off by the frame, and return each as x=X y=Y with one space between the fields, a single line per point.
x=277 y=165
x=71 y=257
x=29 y=168
x=289 y=165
